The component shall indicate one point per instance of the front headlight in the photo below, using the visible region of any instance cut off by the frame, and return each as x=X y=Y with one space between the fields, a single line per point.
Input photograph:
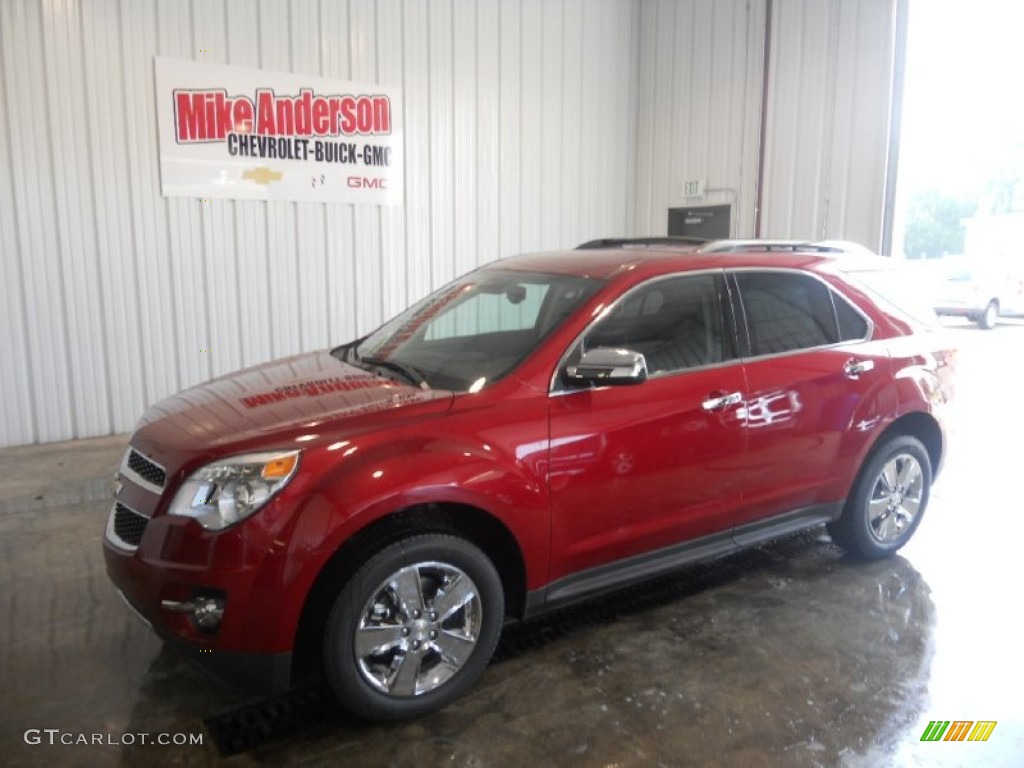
x=230 y=490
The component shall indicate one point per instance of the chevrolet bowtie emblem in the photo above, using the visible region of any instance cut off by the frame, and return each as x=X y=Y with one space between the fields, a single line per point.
x=262 y=175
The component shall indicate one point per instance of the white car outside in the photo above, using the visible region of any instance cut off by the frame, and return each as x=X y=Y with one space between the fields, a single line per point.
x=981 y=294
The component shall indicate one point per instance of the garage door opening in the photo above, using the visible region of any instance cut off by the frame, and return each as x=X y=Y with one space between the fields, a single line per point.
x=959 y=203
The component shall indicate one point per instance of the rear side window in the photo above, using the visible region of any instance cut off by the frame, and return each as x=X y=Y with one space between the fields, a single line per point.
x=787 y=312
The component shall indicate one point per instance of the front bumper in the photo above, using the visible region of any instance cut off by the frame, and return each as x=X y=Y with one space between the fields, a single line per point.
x=176 y=563
x=270 y=672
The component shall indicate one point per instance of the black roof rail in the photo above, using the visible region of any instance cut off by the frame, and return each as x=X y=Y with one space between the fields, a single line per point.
x=626 y=242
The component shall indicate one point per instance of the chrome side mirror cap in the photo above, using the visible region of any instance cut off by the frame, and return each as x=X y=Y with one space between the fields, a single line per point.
x=605 y=365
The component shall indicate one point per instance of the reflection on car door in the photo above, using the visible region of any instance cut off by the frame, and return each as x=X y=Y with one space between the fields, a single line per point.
x=640 y=467
x=809 y=373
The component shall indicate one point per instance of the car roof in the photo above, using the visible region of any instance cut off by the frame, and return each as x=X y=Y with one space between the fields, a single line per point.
x=654 y=258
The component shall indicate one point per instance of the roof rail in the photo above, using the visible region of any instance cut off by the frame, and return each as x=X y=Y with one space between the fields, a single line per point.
x=785 y=246
x=636 y=242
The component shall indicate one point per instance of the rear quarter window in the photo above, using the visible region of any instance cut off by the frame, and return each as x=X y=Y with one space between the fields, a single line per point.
x=852 y=325
x=898 y=292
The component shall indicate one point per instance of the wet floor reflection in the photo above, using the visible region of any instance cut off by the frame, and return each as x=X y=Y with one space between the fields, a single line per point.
x=785 y=655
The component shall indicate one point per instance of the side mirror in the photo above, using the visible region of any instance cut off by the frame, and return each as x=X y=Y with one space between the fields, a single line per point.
x=605 y=365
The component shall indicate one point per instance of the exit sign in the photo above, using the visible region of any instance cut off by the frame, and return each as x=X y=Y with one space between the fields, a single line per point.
x=694 y=188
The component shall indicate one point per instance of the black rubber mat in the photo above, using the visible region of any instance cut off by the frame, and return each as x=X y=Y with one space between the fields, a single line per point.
x=272 y=720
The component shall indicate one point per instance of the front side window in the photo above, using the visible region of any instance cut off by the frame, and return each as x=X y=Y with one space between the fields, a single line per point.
x=473 y=331
x=787 y=312
x=676 y=323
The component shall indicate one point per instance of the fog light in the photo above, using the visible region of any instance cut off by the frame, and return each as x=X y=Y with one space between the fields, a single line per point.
x=207 y=611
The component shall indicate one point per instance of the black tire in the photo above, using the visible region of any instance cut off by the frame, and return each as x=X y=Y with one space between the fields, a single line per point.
x=873 y=523
x=374 y=684
x=989 y=316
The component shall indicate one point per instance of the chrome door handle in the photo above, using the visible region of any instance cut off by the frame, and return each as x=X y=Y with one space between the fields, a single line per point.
x=717 y=402
x=854 y=368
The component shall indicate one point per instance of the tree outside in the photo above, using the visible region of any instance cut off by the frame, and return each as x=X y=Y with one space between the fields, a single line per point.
x=935 y=224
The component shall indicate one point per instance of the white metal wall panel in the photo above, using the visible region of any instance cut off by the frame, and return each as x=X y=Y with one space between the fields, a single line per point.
x=531 y=111
x=17 y=406
x=488 y=134
x=827 y=132
x=510 y=68
x=519 y=125
x=699 y=107
x=43 y=289
x=550 y=117
x=866 y=60
x=828 y=119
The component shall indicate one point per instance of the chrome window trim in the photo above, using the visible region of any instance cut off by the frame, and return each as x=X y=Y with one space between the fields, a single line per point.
x=788 y=270
x=130 y=474
x=556 y=389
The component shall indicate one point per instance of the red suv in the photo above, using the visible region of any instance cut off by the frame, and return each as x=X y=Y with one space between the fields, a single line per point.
x=548 y=427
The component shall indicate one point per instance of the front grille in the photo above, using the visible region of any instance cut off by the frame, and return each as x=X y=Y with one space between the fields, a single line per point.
x=148 y=470
x=129 y=525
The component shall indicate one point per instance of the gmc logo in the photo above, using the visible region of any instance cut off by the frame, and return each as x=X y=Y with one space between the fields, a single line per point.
x=362 y=182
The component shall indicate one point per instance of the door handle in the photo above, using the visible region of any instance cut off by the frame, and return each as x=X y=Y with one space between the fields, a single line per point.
x=716 y=401
x=854 y=368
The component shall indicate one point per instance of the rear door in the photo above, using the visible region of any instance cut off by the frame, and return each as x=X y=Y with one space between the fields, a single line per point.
x=810 y=373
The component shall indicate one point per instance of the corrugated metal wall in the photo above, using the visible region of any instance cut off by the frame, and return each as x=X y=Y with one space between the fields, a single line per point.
x=699 y=107
x=529 y=125
x=827 y=129
x=828 y=119
x=519 y=127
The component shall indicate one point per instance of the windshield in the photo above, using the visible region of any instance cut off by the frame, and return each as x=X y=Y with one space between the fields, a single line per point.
x=473 y=331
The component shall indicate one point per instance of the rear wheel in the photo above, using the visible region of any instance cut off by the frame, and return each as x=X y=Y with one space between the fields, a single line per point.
x=413 y=628
x=990 y=316
x=888 y=500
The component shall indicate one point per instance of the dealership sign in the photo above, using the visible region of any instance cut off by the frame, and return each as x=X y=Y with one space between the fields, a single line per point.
x=246 y=133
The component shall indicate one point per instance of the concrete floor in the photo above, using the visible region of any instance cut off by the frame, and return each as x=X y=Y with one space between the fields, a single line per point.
x=788 y=655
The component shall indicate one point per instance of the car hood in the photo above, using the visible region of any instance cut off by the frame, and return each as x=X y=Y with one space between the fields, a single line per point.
x=296 y=400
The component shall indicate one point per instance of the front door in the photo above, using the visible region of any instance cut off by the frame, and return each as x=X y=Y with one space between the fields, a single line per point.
x=639 y=467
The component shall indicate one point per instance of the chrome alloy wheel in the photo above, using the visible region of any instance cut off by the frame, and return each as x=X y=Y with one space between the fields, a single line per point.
x=896 y=498
x=418 y=629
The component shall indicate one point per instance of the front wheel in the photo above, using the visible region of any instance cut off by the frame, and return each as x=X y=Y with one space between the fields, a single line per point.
x=413 y=628
x=888 y=500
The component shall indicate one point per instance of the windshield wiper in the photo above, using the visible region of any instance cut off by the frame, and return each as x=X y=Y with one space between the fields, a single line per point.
x=406 y=370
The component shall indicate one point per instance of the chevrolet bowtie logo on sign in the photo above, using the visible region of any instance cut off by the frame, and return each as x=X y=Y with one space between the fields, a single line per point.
x=262 y=175
x=959 y=730
x=234 y=132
